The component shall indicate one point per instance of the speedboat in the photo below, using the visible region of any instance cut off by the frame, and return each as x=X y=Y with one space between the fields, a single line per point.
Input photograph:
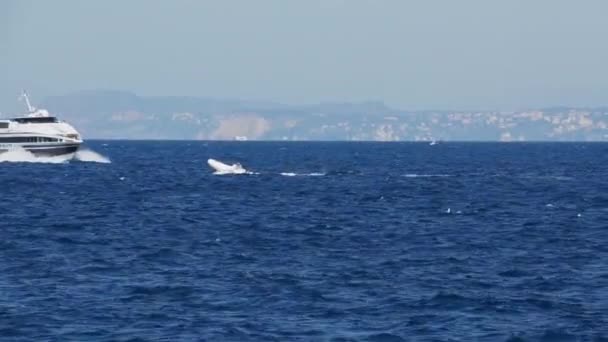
x=39 y=133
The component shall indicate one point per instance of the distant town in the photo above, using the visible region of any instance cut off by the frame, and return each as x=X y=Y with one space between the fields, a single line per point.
x=124 y=115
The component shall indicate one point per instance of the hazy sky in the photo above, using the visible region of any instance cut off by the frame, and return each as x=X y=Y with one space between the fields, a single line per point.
x=425 y=54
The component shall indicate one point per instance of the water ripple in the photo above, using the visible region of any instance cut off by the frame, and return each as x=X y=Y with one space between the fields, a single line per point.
x=383 y=242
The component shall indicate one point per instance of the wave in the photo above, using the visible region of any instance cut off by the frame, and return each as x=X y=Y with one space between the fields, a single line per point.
x=20 y=155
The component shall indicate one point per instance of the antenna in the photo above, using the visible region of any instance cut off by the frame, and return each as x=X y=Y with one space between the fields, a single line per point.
x=27 y=102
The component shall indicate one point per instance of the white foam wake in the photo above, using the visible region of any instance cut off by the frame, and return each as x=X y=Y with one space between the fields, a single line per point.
x=293 y=174
x=415 y=175
x=20 y=155
x=86 y=155
x=223 y=173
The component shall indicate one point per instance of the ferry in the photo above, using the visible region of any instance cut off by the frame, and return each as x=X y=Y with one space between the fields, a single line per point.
x=38 y=132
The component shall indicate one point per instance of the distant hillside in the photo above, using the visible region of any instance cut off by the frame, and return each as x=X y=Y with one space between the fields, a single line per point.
x=124 y=115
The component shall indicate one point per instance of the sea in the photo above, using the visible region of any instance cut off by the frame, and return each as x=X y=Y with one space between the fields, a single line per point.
x=319 y=241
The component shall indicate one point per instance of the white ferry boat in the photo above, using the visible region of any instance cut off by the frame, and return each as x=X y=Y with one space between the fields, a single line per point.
x=39 y=133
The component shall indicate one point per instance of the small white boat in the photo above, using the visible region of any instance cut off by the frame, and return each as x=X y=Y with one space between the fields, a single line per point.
x=222 y=169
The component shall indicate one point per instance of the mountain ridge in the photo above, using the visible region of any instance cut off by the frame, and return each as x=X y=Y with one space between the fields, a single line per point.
x=117 y=114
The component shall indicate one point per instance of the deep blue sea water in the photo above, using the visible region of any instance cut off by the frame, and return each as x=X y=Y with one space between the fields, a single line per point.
x=327 y=242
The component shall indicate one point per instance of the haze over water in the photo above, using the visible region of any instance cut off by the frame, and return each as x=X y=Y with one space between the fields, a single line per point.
x=413 y=55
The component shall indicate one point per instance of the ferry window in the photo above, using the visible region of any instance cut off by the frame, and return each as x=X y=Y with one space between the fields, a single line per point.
x=3 y=124
x=37 y=120
x=16 y=140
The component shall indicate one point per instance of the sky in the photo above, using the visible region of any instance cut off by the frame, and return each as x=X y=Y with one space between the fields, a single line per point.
x=426 y=54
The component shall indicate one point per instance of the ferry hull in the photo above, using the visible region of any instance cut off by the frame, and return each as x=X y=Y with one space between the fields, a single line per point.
x=49 y=150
